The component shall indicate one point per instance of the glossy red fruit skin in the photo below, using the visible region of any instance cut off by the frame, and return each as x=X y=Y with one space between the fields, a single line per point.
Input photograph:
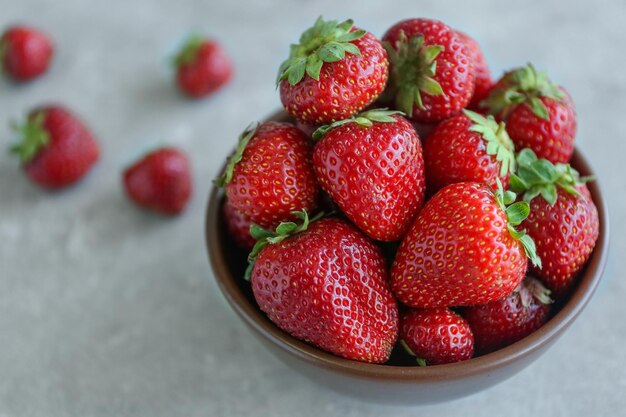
x=374 y=174
x=28 y=53
x=208 y=72
x=275 y=176
x=565 y=235
x=328 y=286
x=454 y=72
x=238 y=227
x=437 y=335
x=483 y=81
x=453 y=153
x=69 y=155
x=447 y=260
x=344 y=88
x=504 y=322
x=160 y=181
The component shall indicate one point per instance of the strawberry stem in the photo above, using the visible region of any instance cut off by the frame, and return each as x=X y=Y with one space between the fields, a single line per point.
x=33 y=137
x=244 y=139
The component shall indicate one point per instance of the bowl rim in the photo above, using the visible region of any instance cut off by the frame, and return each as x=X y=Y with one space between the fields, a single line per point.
x=483 y=364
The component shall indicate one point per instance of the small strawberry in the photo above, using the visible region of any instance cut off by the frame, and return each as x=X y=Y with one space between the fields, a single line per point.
x=563 y=219
x=504 y=322
x=238 y=226
x=202 y=67
x=160 y=181
x=372 y=167
x=270 y=174
x=539 y=114
x=431 y=72
x=436 y=336
x=25 y=53
x=56 y=148
x=326 y=284
x=332 y=73
x=468 y=147
x=483 y=82
x=463 y=249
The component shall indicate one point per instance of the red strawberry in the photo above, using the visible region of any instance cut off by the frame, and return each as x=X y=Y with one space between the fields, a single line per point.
x=326 y=285
x=160 y=181
x=334 y=72
x=372 y=167
x=539 y=115
x=270 y=175
x=483 y=82
x=468 y=147
x=504 y=322
x=563 y=219
x=463 y=249
x=25 y=53
x=431 y=72
x=436 y=336
x=238 y=226
x=202 y=67
x=56 y=148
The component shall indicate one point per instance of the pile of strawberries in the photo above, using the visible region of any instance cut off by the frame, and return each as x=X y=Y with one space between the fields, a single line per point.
x=413 y=201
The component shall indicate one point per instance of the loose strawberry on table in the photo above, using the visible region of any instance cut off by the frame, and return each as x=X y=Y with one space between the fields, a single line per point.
x=334 y=71
x=372 y=167
x=25 y=53
x=539 y=114
x=56 y=149
x=483 y=81
x=326 y=283
x=431 y=72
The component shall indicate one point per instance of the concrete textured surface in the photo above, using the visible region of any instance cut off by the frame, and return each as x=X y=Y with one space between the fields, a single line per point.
x=106 y=310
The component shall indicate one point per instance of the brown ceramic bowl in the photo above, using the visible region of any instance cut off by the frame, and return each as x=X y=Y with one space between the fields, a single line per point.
x=398 y=382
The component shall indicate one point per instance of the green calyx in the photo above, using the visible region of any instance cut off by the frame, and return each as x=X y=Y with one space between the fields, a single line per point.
x=536 y=176
x=533 y=288
x=324 y=42
x=498 y=141
x=413 y=66
x=367 y=118
x=244 y=139
x=33 y=137
x=516 y=213
x=523 y=86
x=284 y=230
x=407 y=349
x=189 y=51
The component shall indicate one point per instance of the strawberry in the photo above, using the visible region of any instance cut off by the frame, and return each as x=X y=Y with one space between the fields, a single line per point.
x=332 y=73
x=326 y=284
x=504 y=322
x=56 y=148
x=160 y=181
x=539 y=114
x=436 y=336
x=202 y=67
x=431 y=72
x=563 y=219
x=468 y=147
x=25 y=53
x=463 y=249
x=371 y=165
x=270 y=174
x=238 y=226
x=483 y=82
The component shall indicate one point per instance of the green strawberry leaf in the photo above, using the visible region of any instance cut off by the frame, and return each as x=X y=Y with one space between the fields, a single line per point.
x=497 y=139
x=189 y=51
x=234 y=159
x=366 y=119
x=32 y=137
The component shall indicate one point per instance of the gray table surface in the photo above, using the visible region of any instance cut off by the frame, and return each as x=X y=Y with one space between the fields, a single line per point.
x=106 y=310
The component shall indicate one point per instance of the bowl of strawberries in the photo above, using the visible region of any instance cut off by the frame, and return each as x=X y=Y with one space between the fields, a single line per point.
x=407 y=230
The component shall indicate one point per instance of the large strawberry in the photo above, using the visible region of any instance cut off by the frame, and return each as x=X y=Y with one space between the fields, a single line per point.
x=468 y=147
x=503 y=322
x=463 y=249
x=431 y=72
x=332 y=73
x=372 y=167
x=483 y=82
x=55 y=147
x=25 y=53
x=563 y=219
x=270 y=174
x=327 y=285
x=539 y=114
